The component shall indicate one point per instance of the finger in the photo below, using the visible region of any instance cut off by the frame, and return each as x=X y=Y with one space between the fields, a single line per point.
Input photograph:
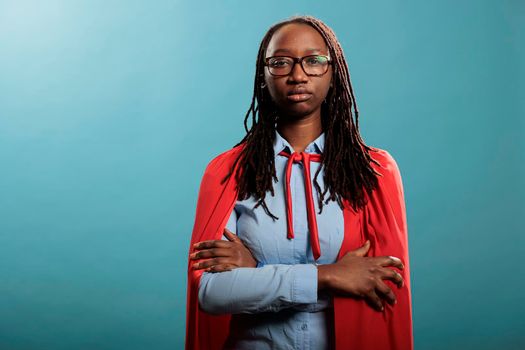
x=390 y=261
x=197 y=266
x=210 y=262
x=211 y=253
x=386 y=292
x=221 y=268
x=216 y=243
x=393 y=275
x=361 y=251
x=231 y=236
x=373 y=300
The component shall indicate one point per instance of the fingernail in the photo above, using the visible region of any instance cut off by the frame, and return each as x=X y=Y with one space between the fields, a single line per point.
x=195 y=265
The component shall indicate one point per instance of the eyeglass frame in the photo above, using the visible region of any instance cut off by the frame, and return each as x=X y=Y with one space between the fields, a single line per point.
x=295 y=61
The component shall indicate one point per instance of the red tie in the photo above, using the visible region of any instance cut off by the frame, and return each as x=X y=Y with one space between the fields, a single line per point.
x=312 y=221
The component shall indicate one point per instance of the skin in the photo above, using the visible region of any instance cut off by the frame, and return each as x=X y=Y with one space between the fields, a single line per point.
x=355 y=274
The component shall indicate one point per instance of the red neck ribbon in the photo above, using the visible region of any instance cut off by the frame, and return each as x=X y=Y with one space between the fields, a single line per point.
x=305 y=158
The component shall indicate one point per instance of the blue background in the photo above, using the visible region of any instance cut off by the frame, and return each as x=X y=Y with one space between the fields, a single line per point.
x=110 y=111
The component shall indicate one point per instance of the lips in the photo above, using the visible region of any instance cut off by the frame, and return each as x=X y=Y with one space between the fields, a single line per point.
x=299 y=91
x=299 y=94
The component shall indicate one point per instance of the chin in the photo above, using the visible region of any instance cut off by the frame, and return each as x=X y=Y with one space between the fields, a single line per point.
x=297 y=111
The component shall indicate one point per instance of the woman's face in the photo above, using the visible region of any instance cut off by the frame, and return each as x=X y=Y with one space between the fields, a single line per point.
x=297 y=40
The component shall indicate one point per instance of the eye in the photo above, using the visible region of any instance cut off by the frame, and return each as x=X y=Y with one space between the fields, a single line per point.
x=316 y=60
x=280 y=62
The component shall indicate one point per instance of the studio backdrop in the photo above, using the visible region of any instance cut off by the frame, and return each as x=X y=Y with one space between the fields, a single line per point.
x=110 y=111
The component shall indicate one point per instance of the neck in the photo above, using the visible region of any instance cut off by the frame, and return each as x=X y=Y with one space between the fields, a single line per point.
x=301 y=132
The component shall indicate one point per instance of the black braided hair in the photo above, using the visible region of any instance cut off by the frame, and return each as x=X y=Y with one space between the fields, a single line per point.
x=346 y=159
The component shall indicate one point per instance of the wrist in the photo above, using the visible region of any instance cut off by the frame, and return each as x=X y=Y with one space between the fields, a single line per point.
x=323 y=277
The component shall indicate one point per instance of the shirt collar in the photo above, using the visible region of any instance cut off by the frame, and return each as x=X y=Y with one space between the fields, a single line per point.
x=280 y=143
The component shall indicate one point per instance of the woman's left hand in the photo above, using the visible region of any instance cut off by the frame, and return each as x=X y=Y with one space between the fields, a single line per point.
x=222 y=255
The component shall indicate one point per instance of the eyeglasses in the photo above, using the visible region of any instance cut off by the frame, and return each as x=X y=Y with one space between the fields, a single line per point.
x=314 y=65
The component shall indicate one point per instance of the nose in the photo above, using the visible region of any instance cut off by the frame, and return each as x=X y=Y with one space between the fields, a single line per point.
x=298 y=74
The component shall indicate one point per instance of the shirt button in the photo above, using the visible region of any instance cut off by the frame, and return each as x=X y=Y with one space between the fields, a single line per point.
x=304 y=327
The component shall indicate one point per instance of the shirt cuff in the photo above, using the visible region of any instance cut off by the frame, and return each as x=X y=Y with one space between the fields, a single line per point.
x=304 y=284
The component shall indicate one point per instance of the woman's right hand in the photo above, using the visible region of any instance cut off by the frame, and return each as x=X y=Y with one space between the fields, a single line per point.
x=360 y=276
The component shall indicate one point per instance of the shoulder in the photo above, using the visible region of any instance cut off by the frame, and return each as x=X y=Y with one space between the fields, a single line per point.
x=224 y=160
x=387 y=167
x=386 y=163
x=390 y=189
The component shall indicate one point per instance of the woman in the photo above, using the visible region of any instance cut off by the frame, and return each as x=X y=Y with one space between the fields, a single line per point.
x=335 y=272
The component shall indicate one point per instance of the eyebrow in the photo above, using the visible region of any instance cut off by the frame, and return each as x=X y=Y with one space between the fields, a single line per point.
x=288 y=51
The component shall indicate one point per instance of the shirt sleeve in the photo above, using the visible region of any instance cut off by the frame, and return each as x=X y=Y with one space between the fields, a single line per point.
x=271 y=287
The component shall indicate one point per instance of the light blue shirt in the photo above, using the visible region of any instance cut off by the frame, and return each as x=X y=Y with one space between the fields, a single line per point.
x=276 y=305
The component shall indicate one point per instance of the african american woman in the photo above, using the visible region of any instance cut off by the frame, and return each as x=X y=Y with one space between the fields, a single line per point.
x=300 y=235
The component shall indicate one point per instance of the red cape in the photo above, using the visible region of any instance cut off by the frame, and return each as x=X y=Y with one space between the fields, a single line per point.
x=382 y=221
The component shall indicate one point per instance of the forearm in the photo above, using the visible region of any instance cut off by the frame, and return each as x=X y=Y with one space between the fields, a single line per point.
x=252 y=290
